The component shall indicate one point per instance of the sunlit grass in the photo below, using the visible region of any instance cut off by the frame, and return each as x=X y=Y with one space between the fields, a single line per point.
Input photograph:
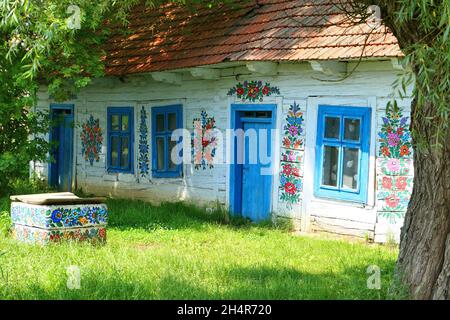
x=176 y=251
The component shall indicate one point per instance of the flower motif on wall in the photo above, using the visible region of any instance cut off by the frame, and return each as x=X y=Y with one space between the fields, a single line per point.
x=401 y=183
x=397 y=183
x=291 y=183
x=393 y=217
x=394 y=167
x=253 y=91
x=394 y=164
x=204 y=141
x=394 y=137
x=91 y=140
x=293 y=128
x=143 y=145
x=394 y=200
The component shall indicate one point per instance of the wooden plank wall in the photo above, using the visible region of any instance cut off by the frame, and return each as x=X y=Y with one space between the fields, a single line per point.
x=297 y=83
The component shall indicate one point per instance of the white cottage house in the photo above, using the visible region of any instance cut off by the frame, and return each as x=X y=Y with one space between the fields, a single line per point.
x=307 y=90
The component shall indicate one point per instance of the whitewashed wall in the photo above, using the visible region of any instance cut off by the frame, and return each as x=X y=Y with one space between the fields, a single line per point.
x=370 y=85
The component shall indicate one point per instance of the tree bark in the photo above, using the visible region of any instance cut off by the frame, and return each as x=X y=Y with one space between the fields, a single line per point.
x=423 y=264
x=424 y=260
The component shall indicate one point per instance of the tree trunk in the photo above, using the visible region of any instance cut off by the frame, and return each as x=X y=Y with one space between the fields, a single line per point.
x=424 y=261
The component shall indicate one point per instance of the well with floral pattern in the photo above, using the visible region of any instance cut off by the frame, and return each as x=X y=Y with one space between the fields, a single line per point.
x=41 y=219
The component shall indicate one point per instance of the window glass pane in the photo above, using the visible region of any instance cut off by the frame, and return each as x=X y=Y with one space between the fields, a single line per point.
x=350 y=170
x=160 y=125
x=125 y=151
x=160 y=153
x=330 y=166
x=352 y=129
x=332 y=126
x=172 y=145
x=114 y=151
x=263 y=114
x=258 y=114
x=125 y=123
x=115 y=122
x=172 y=121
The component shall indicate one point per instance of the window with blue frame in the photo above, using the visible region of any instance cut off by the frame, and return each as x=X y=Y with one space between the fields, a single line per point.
x=120 y=139
x=165 y=120
x=342 y=153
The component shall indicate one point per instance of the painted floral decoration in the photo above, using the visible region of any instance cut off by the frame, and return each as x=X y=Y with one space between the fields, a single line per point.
x=393 y=217
x=253 y=90
x=204 y=141
x=42 y=236
x=394 y=167
x=394 y=188
x=392 y=200
x=293 y=128
x=395 y=193
x=399 y=183
x=91 y=140
x=143 y=145
x=290 y=183
x=395 y=138
x=291 y=156
x=50 y=218
x=78 y=217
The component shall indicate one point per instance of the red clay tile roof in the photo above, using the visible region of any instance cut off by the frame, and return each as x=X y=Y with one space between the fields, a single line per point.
x=172 y=37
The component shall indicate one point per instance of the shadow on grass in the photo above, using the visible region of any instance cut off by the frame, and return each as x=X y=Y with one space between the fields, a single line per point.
x=126 y=214
x=258 y=283
x=289 y=283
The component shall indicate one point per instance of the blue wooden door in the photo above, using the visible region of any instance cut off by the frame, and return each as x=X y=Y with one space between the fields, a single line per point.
x=62 y=138
x=256 y=173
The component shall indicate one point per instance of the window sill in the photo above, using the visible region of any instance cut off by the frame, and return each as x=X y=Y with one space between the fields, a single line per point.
x=161 y=181
x=167 y=175
x=159 y=177
x=348 y=203
x=119 y=171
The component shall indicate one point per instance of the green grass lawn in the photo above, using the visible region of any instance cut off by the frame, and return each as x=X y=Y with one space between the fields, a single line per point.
x=176 y=251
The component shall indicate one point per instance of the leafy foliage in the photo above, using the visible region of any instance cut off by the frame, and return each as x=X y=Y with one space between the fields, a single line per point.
x=422 y=28
x=16 y=149
x=39 y=44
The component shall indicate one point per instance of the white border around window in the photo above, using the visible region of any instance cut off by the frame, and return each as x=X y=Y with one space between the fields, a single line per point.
x=310 y=143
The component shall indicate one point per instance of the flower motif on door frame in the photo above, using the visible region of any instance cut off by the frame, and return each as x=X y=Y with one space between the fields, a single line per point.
x=204 y=141
x=291 y=183
x=143 y=160
x=91 y=140
x=293 y=128
x=292 y=155
x=253 y=91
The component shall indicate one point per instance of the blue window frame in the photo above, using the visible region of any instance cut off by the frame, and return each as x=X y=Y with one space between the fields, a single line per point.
x=120 y=139
x=165 y=120
x=342 y=153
